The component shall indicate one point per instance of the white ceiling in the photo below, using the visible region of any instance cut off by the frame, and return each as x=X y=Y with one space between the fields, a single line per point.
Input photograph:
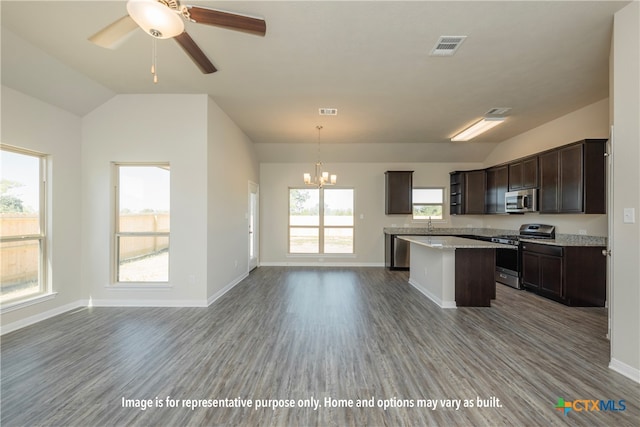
x=369 y=59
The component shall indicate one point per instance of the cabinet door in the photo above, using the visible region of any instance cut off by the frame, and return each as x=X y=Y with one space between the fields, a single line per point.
x=515 y=176
x=474 y=189
x=548 y=197
x=398 y=190
x=530 y=270
x=530 y=172
x=551 y=275
x=523 y=174
x=571 y=179
x=497 y=184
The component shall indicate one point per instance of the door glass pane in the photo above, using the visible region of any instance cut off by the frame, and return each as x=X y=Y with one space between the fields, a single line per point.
x=20 y=267
x=338 y=240
x=304 y=240
x=19 y=194
x=304 y=205
x=143 y=259
x=338 y=207
x=144 y=198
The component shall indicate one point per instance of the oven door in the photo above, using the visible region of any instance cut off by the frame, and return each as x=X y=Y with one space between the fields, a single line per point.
x=508 y=267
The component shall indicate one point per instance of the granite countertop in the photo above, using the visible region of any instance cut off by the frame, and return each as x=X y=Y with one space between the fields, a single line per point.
x=451 y=242
x=560 y=240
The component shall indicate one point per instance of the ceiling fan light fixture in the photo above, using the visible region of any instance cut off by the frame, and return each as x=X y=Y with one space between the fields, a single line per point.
x=478 y=128
x=155 y=18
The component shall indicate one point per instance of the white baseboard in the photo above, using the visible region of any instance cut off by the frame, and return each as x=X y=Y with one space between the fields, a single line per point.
x=320 y=264
x=226 y=289
x=624 y=369
x=10 y=327
x=28 y=321
x=440 y=302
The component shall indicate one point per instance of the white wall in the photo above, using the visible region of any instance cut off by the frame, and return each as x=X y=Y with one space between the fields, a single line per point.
x=591 y=121
x=147 y=128
x=368 y=181
x=231 y=164
x=625 y=293
x=35 y=125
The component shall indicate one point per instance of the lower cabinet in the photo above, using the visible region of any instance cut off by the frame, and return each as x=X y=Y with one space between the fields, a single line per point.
x=573 y=275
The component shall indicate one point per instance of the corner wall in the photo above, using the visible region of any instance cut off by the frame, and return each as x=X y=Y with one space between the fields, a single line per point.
x=231 y=164
x=147 y=128
x=32 y=124
x=625 y=293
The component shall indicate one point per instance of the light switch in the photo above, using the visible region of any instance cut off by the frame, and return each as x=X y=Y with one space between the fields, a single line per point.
x=629 y=215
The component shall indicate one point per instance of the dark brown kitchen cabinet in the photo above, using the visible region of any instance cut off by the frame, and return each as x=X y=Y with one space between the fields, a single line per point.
x=497 y=185
x=574 y=275
x=474 y=191
x=572 y=178
x=398 y=192
x=467 y=195
x=523 y=174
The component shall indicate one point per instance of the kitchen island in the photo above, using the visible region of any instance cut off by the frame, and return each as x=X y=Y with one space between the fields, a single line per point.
x=453 y=271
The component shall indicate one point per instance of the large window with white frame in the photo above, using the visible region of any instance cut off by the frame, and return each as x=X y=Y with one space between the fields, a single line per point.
x=22 y=225
x=321 y=220
x=428 y=203
x=142 y=222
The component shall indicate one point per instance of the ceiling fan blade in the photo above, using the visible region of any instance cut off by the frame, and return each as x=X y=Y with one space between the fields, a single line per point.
x=115 y=33
x=197 y=55
x=231 y=21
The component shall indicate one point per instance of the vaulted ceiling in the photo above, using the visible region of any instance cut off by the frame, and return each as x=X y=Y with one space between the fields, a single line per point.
x=368 y=59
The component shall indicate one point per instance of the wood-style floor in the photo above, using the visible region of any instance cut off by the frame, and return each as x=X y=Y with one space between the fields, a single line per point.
x=298 y=333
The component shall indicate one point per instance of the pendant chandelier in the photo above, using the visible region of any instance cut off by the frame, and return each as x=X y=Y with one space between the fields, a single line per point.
x=320 y=178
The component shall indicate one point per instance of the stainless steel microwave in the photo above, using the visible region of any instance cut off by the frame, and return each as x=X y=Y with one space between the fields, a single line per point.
x=521 y=201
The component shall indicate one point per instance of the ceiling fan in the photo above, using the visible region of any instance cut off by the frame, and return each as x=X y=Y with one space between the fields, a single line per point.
x=164 y=19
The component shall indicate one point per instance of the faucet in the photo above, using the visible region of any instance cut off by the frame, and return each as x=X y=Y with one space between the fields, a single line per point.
x=429 y=226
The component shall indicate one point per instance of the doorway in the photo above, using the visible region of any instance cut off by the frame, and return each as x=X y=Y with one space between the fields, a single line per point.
x=254 y=235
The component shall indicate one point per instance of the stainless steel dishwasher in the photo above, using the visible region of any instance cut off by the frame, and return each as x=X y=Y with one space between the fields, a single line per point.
x=401 y=252
x=396 y=252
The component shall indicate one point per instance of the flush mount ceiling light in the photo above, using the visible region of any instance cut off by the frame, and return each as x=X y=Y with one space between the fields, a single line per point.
x=156 y=18
x=477 y=128
x=320 y=178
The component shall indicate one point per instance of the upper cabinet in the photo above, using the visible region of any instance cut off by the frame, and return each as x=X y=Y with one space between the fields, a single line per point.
x=474 y=191
x=497 y=185
x=523 y=174
x=467 y=192
x=398 y=192
x=573 y=180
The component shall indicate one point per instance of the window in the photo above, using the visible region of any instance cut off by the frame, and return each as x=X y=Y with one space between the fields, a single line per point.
x=321 y=221
x=428 y=203
x=142 y=223
x=22 y=225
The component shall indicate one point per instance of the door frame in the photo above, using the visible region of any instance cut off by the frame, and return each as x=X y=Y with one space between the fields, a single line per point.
x=253 y=225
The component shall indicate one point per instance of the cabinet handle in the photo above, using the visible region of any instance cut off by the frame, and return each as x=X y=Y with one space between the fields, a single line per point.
x=606 y=252
x=524 y=247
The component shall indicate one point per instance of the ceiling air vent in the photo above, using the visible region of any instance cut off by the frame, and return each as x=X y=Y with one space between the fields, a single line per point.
x=447 y=45
x=328 y=111
x=498 y=111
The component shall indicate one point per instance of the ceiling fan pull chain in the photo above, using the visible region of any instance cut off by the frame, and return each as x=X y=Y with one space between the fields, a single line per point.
x=154 y=60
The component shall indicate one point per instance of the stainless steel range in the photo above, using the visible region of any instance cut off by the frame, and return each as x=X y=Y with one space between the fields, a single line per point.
x=508 y=261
